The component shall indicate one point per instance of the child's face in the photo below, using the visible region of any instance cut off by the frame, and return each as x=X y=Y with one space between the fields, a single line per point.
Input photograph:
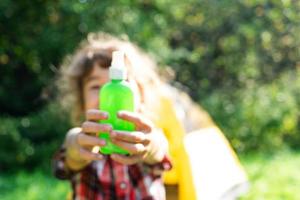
x=91 y=85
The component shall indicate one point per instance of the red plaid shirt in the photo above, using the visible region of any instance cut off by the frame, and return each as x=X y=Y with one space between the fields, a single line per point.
x=110 y=180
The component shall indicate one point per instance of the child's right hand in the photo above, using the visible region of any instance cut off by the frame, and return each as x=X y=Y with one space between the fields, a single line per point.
x=80 y=141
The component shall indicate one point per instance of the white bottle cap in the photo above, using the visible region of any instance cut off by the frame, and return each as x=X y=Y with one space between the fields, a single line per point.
x=117 y=70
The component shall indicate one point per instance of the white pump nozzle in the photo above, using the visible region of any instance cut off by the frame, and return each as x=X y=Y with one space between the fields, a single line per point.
x=117 y=70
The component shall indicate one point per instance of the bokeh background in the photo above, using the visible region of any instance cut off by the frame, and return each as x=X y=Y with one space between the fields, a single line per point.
x=239 y=59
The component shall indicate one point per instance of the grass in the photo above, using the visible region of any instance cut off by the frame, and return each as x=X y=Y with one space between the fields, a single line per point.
x=275 y=177
x=32 y=186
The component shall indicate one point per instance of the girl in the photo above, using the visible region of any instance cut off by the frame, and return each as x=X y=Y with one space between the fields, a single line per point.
x=164 y=115
x=96 y=176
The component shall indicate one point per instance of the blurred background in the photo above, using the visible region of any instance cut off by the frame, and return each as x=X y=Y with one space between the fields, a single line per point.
x=239 y=59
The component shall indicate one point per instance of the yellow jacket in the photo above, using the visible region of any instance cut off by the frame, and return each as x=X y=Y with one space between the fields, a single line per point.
x=174 y=129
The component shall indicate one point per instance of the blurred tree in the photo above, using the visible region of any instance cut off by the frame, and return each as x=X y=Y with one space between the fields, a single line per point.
x=228 y=45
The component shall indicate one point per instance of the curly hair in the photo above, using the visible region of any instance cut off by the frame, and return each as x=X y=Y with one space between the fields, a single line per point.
x=97 y=48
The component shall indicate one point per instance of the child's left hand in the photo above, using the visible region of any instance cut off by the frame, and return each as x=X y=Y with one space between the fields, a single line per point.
x=146 y=144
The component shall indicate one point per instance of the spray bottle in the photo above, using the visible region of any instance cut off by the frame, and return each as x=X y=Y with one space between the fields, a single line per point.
x=114 y=96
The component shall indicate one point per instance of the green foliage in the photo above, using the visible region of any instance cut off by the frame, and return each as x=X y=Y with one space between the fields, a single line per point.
x=31 y=141
x=263 y=117
x=227 y=44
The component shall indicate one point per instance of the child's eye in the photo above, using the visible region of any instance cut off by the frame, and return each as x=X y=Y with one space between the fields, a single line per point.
x=95 y=87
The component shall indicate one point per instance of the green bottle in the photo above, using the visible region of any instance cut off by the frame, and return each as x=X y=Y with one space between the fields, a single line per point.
x=114 y=96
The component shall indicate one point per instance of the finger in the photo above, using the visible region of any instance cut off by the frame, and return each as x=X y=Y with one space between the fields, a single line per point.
x=132 y=137
x=96 y=115
x=140 y=122
x=133 y=149
x=94 y=127
x=86 y=140
x=127 y=160
x=87 y=155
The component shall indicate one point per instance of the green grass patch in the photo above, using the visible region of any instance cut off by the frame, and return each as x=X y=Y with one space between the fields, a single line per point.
x=273 y=176
x=32 y=186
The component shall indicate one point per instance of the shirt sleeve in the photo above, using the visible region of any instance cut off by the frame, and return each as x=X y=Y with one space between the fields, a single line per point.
x=59 y=166
x=158 y=168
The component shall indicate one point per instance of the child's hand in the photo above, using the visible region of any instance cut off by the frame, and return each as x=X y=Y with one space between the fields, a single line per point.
x=146 y=144
x=80 y=141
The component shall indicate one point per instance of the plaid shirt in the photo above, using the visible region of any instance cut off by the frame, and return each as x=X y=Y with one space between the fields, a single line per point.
x=110 y=180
